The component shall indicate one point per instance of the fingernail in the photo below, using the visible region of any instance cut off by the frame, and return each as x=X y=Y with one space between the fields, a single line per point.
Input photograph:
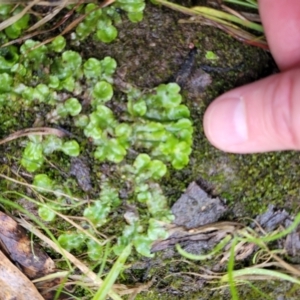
x=225 y=123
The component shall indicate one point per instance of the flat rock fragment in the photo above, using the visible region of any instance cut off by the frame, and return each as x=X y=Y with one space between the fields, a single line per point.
x=195 y=208
x=81 y=170
x=272 y=218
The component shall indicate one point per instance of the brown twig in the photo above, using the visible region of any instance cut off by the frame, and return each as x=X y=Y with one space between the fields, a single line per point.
x=33 y=131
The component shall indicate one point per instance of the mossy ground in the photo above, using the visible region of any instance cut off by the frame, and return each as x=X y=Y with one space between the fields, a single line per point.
x=149 y=53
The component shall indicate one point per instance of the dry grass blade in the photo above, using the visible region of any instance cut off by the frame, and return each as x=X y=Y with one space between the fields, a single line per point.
x=33 y=131
x=64 y=19
x=203 y=275
x=224 y=21
x=32 y=187
x=226 y=18
x=48 y=17
x=251 y=17
x=233 y=12
x=51 y=276
x=45 y=3
x=72 y=24
x=238 y=33
x=245 y=37
x=80 y=229
x=286 y=266
x=75 y=22
x=30 y=35
x=77 y=263
x=18 y=16
x=133 y=291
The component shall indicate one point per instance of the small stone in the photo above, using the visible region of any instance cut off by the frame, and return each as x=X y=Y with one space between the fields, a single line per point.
x=81 y=170
x=195 y=208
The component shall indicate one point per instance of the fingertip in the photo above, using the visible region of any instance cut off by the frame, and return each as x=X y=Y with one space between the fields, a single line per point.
x=262 y=116
x=225 y=123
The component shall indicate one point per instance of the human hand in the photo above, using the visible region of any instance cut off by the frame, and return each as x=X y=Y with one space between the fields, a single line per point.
x=264 y=115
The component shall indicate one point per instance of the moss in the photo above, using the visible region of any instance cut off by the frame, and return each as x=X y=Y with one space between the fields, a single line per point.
x=253 y=180
x=293 y=292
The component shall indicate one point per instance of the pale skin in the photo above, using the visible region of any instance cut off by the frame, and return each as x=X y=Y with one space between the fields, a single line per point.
x=264 y=115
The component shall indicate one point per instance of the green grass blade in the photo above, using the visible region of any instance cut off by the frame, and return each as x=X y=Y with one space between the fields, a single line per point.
x=217 y=249
x=230 y=271
x=113 y=274
x=210 y=12
x=258 y=291
x=283 y=233
x=262 y=272
x=104 y=258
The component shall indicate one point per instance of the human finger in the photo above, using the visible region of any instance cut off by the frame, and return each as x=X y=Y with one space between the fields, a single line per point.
x=281 y=21
x=262 y=116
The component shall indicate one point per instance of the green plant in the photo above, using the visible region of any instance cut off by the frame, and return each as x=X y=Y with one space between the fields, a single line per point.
x=94 y=20
x=143 y=174
x=104 y=18
x=80 y=94
x=153 y=121
x=33 y=155
x=98 y=212
x=16 y=28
